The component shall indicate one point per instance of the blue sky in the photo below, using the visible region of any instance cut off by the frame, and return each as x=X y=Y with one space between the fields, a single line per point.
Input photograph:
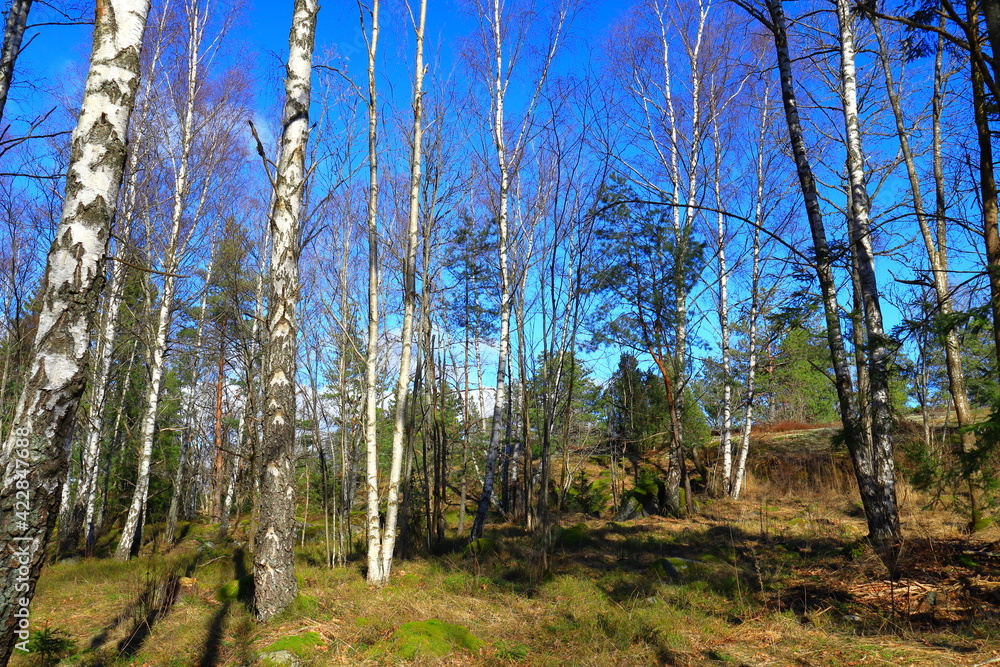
x=55 y=61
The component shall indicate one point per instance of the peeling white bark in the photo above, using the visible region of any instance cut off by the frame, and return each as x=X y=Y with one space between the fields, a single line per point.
x=275 y=586
x=73 y=278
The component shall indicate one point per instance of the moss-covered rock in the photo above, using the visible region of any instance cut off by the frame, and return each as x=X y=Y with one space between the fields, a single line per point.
x=277 y=659
x=432 y=637
x=665 y=569
x=301 y=646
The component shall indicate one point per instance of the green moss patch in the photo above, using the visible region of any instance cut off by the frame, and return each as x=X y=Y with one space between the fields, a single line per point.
x=480 y=547
x=573 y=537
x=432 y=637
x=237 y=589
x=301 y=646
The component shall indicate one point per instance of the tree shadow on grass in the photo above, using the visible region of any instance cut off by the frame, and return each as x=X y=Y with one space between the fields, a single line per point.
x=152 y=602
x=159 y=594
x=217 y=628
x=159 y=604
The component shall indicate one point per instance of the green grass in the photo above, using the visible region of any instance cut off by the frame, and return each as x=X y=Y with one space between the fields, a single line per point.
x=604 y=596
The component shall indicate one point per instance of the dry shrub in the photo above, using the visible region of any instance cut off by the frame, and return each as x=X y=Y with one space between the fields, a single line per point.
x=801 y=473
x=788 y=425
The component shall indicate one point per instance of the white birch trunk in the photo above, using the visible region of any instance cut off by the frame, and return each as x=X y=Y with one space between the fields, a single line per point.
x=883 y=516
x=725 y=438
x=736 y=487
x=500 y=144
x=174 y=250
x=275 y=586
x=17 y=23
x=34 y=457
x=409 y=306
x=371 y=353
x=147 y=430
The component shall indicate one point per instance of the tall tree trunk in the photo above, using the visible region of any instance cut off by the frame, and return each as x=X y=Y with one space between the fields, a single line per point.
x=275 y=586
x=935 y=245
x=987 y=178
x=347 y=472
x=409 y=306
x=83 y=513
x=736 y=487
x=157 y=348
x=500 y=396
x=883 y=515
x=881 y=520
x=725 y=436
x=174 y=251
x=34 y=457
x=17 y=23
x=114 y=293
x=372 y=519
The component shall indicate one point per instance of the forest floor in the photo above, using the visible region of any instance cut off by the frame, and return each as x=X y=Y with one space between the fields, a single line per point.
x=778 y=578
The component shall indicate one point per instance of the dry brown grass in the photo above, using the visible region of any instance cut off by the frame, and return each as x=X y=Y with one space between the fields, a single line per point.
x=768 y=581
x=789 y=425
x=782 y=577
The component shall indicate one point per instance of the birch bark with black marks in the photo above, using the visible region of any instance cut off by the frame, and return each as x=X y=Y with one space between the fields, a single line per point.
x=113 y=295
x=176 y=247
x=34 y=456
x=275 y=586
x=879 y=491
x=880 y=520
x=372 y=518
x=13 y=34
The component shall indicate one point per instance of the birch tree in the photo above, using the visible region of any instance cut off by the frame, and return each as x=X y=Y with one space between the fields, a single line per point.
x=13 y=34
x=498 y=131
x=113 y=295
x=372 y=522
x=194 y=128
x=878 y=466
x=877 y=489
x=756 y=300
x=495 y=29
x=275 y=585
x=380 y=554
x=670 y=129
x=35 y=461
